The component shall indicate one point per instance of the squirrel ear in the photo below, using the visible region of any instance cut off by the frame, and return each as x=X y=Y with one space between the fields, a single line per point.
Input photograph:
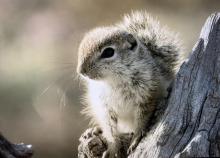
x=132 y=41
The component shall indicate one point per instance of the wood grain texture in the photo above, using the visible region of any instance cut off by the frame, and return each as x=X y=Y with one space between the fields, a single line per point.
x=190 y=125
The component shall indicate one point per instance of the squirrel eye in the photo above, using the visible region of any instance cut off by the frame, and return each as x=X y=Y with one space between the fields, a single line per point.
x=108 y=52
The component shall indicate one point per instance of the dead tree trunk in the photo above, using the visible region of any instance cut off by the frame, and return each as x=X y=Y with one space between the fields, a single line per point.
x=9 y=150
x=190 y=126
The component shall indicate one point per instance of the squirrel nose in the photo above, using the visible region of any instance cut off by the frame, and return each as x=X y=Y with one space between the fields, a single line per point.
x=81 y=70
x=88 y=70
x=85 y=68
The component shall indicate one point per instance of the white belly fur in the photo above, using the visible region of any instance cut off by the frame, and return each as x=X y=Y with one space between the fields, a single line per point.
x=101 y=96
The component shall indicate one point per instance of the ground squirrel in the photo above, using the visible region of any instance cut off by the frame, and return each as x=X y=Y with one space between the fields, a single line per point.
x=127 y=68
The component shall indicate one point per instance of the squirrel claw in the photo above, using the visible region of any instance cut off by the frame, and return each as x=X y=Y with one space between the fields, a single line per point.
x=96 y=131
x=105 y=154
x=131 y=148
x=134 y=143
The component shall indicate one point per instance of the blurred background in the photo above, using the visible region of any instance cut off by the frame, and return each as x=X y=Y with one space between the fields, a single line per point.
x=39 y=90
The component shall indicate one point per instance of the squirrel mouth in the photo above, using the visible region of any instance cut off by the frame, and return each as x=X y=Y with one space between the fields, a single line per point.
x=89 y=76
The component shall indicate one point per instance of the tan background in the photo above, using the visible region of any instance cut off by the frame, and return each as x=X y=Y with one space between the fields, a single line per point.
x=39 y=91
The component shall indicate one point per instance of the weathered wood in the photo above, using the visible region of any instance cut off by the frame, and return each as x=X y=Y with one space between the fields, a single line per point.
x=191 y=123
x=190 y=126
x=9 y=150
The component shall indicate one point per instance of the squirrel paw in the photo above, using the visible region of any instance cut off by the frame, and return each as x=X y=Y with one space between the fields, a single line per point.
x=109 y=154
x=91 y=132
x=134 y=142
x=92 y=143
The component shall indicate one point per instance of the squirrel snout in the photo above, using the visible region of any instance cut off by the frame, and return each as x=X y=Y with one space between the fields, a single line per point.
x=81 y=70
x=87 y=70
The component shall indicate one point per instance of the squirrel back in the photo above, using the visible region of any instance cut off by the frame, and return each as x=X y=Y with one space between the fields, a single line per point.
x=161 y=42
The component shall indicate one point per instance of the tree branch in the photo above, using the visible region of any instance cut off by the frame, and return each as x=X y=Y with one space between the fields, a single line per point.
x=9 y=150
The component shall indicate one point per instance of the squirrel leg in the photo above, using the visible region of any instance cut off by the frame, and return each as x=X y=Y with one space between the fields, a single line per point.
x=110 y=133
x=142 y=118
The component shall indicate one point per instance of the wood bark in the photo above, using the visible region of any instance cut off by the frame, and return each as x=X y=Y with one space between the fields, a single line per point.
x=190 y=125
x=10 y=150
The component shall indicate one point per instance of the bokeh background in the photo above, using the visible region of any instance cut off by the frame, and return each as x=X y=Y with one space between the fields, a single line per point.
x=39 y=89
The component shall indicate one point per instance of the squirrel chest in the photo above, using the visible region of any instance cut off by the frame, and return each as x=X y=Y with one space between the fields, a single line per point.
x=105 y=101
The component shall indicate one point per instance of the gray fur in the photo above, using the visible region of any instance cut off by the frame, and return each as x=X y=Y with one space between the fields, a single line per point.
x=123 y=91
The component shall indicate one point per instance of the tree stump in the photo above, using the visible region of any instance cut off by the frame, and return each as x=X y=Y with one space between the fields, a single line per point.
x=190 y=125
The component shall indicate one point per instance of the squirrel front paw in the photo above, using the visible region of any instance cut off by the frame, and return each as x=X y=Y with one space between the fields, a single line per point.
x=135 y=141
x=92 y=144
x=91 y=132
x=111 y=152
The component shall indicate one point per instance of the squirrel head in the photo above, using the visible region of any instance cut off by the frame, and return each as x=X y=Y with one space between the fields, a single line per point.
x=108 y=52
